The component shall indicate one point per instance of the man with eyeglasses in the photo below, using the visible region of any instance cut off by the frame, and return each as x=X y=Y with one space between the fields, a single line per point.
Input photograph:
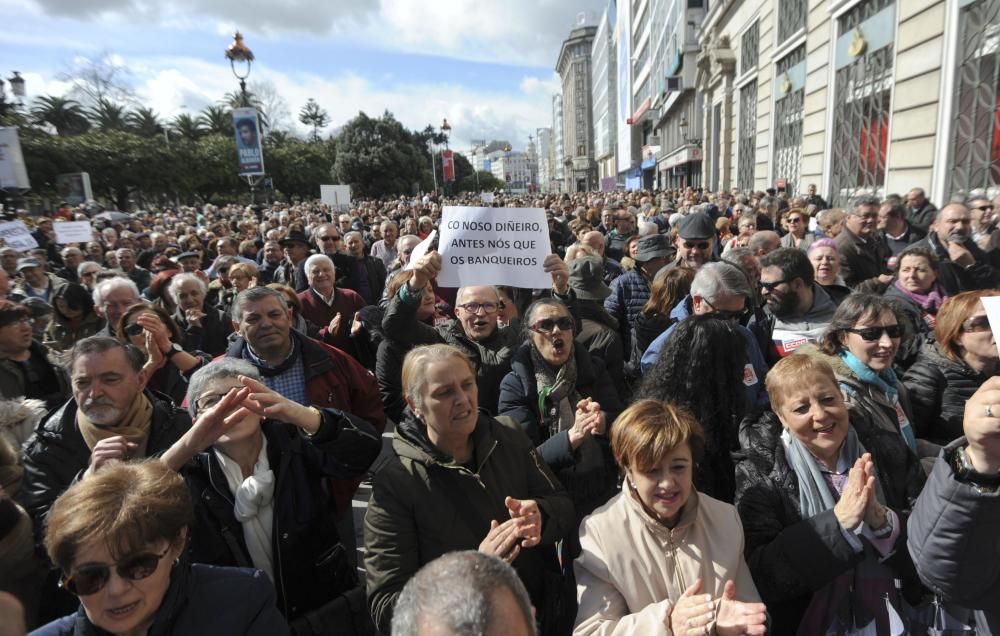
x=894 y=229
x=695 y=241
x=798 y=309
x=327 y=239
x=984 y=224
x=962 y=266
x=475 y=330
x=864 y=255
x=721 y=290
x=625 y=228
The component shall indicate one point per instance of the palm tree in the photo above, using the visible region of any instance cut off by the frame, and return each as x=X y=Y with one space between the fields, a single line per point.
x=241 y=99
x=312 y=115
x=278 y=137
x=108 y=115
x=217 y=120
x=187 y=126
x=67 y=116
x=145 y=122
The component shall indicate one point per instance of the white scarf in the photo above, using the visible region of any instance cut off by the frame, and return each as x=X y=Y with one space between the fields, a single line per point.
x=254 y=509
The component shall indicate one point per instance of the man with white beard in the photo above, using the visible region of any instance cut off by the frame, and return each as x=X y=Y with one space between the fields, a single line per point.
x=111 y=416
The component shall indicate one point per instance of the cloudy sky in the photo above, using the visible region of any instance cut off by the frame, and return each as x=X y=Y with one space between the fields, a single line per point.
x=486 y=66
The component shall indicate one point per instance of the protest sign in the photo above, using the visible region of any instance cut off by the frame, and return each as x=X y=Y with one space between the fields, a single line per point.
x=421 y=248
x=494 y=246
x=486 y=197
x=992 y=306
x=337 y=197
x=13 y=173
x=73 y=232
x=15 y=234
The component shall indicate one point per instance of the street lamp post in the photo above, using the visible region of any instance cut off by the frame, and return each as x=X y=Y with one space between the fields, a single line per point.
x=445 y=131
x=240 y=61
x=17 y=91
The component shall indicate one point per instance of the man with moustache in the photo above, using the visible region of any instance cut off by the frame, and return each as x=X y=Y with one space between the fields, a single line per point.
x=111 y=416
x=963 y=266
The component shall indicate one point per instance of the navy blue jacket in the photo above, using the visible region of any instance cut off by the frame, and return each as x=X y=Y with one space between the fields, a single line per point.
x=201 y=599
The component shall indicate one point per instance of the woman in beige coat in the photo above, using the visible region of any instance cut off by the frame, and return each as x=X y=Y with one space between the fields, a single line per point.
x=661 y=558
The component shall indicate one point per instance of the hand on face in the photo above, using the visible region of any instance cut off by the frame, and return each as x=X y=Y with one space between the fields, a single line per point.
x=110 y=449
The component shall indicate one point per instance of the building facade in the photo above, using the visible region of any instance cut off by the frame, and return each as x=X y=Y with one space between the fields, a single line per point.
x=605 y=113
x=544 y=180
x=557 y=174
x=855 y=96
x=574 y=68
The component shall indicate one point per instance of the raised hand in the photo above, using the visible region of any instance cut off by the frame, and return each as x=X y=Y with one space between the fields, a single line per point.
x=860 y=487
x=425 y=269
x=154 y=356
x=271 y=404
x=736 y=617
x=108 y=450
x=559 y=271
x=210 y=425
x=982 y=427
x=334 y=325
x=693 y=612
x=501 y=541
x=193 y=317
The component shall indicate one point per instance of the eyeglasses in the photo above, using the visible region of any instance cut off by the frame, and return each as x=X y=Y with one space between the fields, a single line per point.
x=870 y=216
x=327 y=239
x=473 y=308
x=91 y=579
x=983 y=207
x=977 y=324
x=736 y=316
x=548 y=325
x=703 y=245
x=874 y=334
x=133 y=330
x=794 y=219
x=769 y=287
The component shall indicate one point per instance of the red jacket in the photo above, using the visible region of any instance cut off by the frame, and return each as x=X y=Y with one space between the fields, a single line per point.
x=335 y=380
x=345 y=302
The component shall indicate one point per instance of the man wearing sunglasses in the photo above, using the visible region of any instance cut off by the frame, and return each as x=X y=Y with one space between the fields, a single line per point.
x=895 y=230
x=695 y=241
x=799 y=310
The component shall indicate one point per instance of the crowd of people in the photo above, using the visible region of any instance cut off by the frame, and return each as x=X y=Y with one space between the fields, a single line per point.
x=730 y=413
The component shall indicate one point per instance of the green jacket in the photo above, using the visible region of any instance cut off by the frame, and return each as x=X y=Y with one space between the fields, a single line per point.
x=424 y=505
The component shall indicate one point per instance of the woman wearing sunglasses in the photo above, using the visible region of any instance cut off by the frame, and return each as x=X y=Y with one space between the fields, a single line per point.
x=151 y=329
x=118 y=537
x=947 y=372
x=796 y=223
x=564 y=399
x=860 y=344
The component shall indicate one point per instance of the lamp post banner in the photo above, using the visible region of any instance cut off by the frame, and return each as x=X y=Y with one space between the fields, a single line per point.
x=13 y=173
x=448 y=165
x=494 y=246
x=248 y=150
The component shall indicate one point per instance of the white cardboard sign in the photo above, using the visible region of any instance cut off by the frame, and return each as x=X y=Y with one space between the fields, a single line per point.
x=16 y=234
x=73 y=232
x=494 y=246
x=992 y=306
x=486 y=197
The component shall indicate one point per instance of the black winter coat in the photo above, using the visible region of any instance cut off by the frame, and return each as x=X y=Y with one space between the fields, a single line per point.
x=939 y=388
x=791 y=557
x=956 y=278
x=212 y=336
x=56 y=456
x=591 y=483
x=599 y=334
x=310 y=566
x=645 y=329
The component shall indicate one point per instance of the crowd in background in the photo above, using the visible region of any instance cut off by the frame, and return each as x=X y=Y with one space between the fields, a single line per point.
x=722 y=417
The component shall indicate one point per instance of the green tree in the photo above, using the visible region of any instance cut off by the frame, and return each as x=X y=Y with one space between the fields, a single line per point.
x=248 y=99
x=299 y=167
x=314 y=115
x=67 y=116
x=187 y=126
x=108 y=115
x=378 y=156
x=217 y=120
x=486 y=183
x=144 y=122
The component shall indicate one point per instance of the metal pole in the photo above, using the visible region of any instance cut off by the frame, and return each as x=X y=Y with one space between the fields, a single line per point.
x=433 y=169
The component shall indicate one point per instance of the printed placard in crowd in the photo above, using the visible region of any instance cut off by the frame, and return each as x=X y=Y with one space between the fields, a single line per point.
x=494 y=246
x=486 y=197
x=421 y=248
x=992 y=306
x=15 y=234
x=73 y=232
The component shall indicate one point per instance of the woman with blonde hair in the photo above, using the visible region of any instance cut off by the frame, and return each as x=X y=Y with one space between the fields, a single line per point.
x=660 y=557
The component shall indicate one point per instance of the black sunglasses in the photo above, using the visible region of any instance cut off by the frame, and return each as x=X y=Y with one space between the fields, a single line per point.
x=548 y=325
x=770 y=286
x=133 y=330
x=873 y=334
x=90 y=579
x=722 y=314
x=696 y=246
x=977 y=324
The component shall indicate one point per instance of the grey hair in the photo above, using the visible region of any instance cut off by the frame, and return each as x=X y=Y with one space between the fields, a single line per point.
x=864 y=200
x=100 y=344
x=180 y=279
x=222 y=368
x=252 y=295
x=85 y=264
x=647 y=228
x=386 y=223
x=353 y=233
x=713 y=280
x=456 y=591
x=66 y=251
x=460 y=296
x=107 y=286
x=118 y=252
x=315 y=258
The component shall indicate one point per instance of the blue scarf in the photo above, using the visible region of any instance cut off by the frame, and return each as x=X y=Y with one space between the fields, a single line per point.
x=886 y=382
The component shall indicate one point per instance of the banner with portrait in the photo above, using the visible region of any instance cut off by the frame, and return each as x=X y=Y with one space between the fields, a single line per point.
x=249 y=153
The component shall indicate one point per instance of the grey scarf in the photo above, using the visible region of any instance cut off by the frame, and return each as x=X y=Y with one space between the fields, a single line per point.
x=815 y=495
x=560 y=386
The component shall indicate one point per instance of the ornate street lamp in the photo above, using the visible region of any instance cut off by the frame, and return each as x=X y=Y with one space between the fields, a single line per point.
x=240 y=54
x=446 y=131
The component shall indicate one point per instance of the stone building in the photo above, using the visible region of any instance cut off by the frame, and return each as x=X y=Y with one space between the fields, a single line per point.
x=574 y=68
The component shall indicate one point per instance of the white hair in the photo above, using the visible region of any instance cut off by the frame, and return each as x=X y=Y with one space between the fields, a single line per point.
x=647 y=228
x=180 y=279
x=316 y=258
x=107 y=286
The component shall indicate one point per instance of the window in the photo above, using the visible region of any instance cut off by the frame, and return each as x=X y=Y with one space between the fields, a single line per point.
x=791 y=18
x=788 y=109
x=747 y=137
x=750 y=48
